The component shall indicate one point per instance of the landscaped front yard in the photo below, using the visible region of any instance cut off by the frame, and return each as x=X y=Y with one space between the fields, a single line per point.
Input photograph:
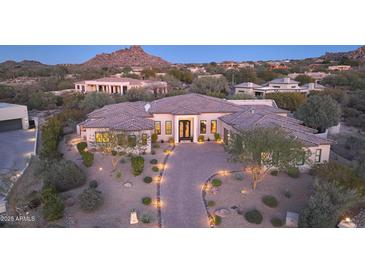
x=235 y=197
x=121 y=190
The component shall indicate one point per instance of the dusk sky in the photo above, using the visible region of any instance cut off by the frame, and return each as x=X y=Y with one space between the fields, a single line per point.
x=173 y=54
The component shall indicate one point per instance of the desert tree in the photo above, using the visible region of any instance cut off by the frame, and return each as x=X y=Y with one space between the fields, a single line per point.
x=261 y=149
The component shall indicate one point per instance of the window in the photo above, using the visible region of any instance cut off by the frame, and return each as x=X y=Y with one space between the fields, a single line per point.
x=144 y=139
x=213 y=126
x=132 y=140
x=301 y=160
x=122 y=140
x=168 y=127
x=158 y=127
x=318 y=155
x=102 y=137
x=203 y=127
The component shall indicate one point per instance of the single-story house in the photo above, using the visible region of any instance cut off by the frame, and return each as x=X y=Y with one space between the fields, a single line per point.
x=13 y=117
x=274 y=86
x=118 y=85
x=187 y=118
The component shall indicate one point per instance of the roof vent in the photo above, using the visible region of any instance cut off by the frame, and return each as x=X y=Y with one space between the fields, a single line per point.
x=252 y=110
x=147 y=107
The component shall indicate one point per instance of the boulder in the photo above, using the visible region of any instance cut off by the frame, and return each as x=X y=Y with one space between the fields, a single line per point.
x=70 y=202
x=222 y=212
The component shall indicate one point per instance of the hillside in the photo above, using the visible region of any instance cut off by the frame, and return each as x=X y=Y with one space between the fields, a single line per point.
x=358 y=54
x=134 y=56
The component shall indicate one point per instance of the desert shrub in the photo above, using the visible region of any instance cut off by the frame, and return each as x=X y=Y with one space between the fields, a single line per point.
x=341 y=174
x=87 y=158
x=123 y=160
x=137 y=165
x=200 y=138
x=253 y=216
x=239 y=176
x=51 y=136
x=287 y=194
x=210 y=203
x=217 y=220
x=153 y=152
x=270 y=201
x=63 y=175
x=119 y=175
x=146 y=200
x=155 y=169
x=52 y=206
x=147 y=179
x=216 y=182
x=81 y=146
x=146 y=219
x=293 y=172
x=93 y=184
x=114 y=153
x=217 y=136
x=154 y=138
x=326 y=205
x=90 y=199
x=276 y=222
x=153 y=162
x=274 y=172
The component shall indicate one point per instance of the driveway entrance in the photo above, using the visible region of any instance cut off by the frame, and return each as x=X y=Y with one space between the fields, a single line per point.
x=187 y=169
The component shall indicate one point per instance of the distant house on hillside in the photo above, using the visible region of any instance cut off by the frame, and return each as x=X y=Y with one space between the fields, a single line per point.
x=116 y=85
x=276 y=85
x=339 y=68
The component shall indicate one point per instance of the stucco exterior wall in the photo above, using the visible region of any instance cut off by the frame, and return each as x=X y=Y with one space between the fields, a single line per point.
x=10 y=112
x=163 y=118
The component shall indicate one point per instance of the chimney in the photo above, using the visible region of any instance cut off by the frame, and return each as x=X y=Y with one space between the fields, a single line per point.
x=311 y=86
x=252 y=111
x=147 y=107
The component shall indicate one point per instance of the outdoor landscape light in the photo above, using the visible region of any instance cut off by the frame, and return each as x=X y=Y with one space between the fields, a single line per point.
x=100 y=168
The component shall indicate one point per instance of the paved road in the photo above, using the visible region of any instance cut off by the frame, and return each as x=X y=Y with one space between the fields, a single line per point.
x=187 y=169
x=15 y=148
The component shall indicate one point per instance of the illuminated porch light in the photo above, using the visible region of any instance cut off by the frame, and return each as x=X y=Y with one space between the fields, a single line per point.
x=347 y=219
x=100 y=168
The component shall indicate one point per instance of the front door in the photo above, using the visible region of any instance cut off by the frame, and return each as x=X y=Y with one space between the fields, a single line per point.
x=184 y=130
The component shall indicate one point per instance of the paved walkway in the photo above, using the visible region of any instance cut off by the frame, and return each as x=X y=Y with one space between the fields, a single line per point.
x=187 y=169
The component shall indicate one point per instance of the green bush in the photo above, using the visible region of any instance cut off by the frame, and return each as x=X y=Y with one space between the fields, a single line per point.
x=253 y=216
x=200 y=138
x=216 y=182
x=239 y=176
x=87 y=158
x=137 y=165
x=153 y=162
x=293 y=172
x=274 y=172
x=147 y=180
x=276 y=222
x=270 y=201
x=146 y=219
x=52 y=206
x=81 y=146
x=155 y=169
x=51 y=136
x=154 y=138
x=119 y=175
x=123 y=160
x=90 y=199
x=210 y=203
x=62 y=174
x=93 y=184
x=114 y=153
x=287 y=194
x=217 y=136
x=217 y=220
x=146 y=201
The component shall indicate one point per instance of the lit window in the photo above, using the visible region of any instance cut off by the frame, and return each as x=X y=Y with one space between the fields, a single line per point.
x=158 y=127
x=144 y=139
x=102 y=137
x=203 y=127
x=168 y=127
x=318 y=155
x=132 y=140
x=213 y=126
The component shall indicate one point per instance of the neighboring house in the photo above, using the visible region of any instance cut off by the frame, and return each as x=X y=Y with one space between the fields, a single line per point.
x=184 y=118
x=210 y=76
x=317 y=76
x=313 y=86
x=339 y=68
x=116 y=85
x=13 y=117
x=276 y=85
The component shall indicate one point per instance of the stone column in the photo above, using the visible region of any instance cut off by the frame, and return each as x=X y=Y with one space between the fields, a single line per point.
x=176 y=129
x=196 y=132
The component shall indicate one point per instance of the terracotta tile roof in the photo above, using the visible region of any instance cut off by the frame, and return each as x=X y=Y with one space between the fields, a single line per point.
x=262 y=118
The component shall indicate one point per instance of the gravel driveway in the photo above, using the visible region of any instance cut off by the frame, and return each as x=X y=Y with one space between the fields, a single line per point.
x=187 y=169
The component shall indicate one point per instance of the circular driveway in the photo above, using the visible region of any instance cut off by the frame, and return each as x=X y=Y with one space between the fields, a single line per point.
x=187 y=169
